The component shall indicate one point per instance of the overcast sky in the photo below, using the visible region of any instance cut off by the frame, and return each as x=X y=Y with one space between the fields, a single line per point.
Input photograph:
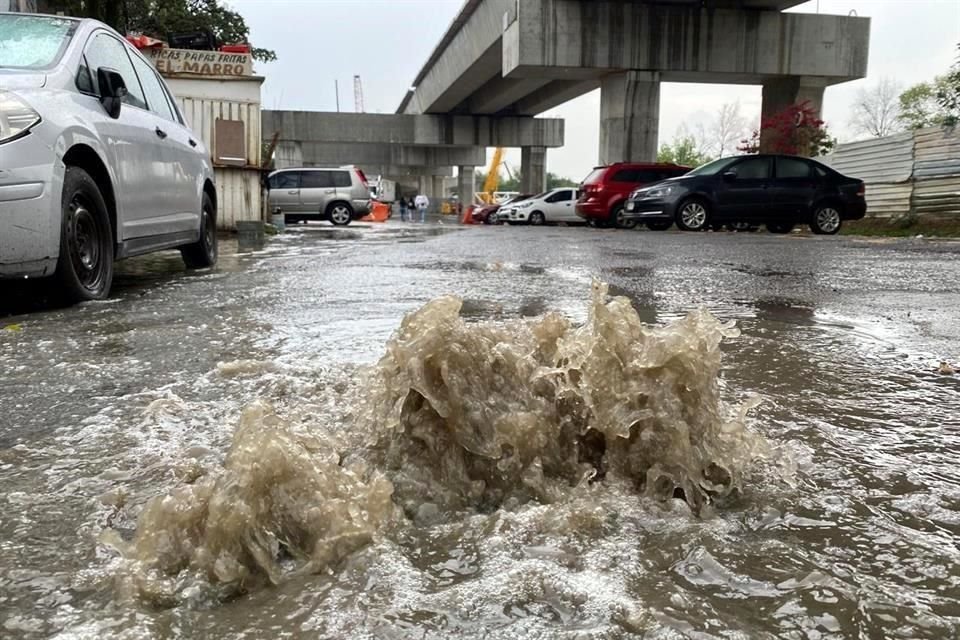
x=386 y=42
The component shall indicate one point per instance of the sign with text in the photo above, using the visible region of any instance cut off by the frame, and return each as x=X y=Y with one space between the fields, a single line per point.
x=203 y=63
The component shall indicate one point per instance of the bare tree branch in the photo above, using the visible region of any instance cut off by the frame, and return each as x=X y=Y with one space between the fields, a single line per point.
x=876 y=111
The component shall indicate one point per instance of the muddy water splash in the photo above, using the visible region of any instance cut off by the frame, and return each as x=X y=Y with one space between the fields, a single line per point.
x=461 y=418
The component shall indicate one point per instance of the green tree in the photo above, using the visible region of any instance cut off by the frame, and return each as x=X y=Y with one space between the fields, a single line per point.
x=919 y=107
x=157 y=18
x=683 y=151
x=555 y=182
x=948 y=95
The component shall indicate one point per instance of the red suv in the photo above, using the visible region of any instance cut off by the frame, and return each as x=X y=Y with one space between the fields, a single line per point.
x=604 y=192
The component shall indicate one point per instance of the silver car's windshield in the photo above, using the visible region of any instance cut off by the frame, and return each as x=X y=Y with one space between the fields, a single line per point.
x=33 y=42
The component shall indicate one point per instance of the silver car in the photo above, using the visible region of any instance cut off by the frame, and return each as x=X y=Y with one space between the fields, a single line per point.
x=96 y=161
x=339 y=195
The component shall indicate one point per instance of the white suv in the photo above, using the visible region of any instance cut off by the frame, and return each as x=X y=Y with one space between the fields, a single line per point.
x=96 y=161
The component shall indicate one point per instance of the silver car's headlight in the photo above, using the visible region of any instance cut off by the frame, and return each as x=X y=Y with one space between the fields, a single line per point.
x=16 y=117
x=524 y=205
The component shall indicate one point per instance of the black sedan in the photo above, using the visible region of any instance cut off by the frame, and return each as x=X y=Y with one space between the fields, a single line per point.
x=778 y=191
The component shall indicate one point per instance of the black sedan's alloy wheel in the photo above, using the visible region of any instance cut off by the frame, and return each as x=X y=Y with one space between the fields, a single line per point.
x=693 y=215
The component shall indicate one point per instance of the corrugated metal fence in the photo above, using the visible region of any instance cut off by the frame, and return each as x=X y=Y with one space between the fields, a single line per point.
x=916 y=172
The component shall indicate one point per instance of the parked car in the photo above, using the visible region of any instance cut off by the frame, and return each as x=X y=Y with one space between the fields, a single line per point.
x=96 y=161
x=487 y=213
x=551 y=206
x=339 y=195
x=776 y=190
x=604 y=192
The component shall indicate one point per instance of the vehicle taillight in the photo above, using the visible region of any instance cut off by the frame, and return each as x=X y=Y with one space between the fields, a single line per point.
x=862 y=190
x=362 y=177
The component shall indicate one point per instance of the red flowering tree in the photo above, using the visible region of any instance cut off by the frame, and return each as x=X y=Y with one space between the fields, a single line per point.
x=796 y=130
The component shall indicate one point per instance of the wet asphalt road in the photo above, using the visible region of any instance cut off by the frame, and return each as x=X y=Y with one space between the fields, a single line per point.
x=841 y=335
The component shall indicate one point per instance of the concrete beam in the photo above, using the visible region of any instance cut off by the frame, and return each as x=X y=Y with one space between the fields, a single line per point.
x=390 y=171
x=553 y=95
x=566 y=39
x=428 y=130
x=438 y=98
x=468 y=55
x=461 y=62
x=500 y=93
x=320 y=154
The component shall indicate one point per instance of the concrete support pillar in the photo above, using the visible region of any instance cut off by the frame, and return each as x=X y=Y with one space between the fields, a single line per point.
x=437 y=193
x=629 y=117
x=466 y=185
x=780 y=93
x=533 y=169
x=425 y=186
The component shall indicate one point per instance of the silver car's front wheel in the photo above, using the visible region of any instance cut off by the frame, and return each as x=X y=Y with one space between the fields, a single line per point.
x=340 y=214
x=826 y=220
x=692 y=216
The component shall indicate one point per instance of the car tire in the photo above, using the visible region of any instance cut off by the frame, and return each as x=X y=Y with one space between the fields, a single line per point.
x=659 y=225
x=693 y=215
x=826 y=220
x=616 y=216
x=780 y=227
x=340 y=214
x=203 y=253
x=85 y=265
x=537 y=219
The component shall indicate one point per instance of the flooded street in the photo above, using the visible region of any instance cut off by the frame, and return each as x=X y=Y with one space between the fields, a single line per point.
x=362 y=500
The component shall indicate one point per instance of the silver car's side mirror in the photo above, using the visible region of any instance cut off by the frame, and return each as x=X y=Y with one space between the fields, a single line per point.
x=112 y=90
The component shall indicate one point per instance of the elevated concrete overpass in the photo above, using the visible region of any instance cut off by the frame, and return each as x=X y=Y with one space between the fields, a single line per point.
x=402 y=145
x=502 y=57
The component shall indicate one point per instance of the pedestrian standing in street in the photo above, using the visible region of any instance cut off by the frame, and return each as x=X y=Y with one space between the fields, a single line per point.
x=403 y=208
x=422 y=203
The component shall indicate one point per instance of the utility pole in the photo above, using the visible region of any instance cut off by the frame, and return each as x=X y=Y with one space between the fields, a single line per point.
x=336 y=89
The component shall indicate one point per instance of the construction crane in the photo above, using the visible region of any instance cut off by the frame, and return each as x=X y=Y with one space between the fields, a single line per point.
x=357 y=94
x=493 y=176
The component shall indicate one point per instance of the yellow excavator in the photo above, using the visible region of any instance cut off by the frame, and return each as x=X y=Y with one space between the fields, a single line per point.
x=493 y=177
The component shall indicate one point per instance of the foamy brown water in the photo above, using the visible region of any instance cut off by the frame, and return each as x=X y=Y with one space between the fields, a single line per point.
x=462 y=419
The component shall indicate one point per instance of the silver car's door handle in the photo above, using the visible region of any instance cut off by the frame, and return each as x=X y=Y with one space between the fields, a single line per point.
x=293 y=193
x=161 y=133
x=330 y=191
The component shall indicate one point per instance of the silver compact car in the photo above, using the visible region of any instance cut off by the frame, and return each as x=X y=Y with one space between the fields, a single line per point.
x=96 y=160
